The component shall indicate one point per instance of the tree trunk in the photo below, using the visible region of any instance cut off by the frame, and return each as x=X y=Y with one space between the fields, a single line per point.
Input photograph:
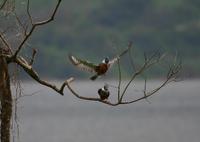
x=6 y=101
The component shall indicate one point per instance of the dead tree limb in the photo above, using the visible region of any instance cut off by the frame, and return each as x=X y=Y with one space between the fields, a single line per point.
x=149 y=62
x=27 y=67
x=172 y=73
x=5 y=43
x=31 y=72
x=35 y=25
x=34 y=51
x=3 y=4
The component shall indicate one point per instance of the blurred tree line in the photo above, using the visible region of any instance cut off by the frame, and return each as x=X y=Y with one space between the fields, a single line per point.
x=93 y=29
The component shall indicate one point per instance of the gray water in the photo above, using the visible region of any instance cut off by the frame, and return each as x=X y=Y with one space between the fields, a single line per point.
x=173 y=115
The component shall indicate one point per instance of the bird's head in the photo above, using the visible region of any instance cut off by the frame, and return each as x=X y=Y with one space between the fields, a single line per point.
x=106 y=60
x=105 y=87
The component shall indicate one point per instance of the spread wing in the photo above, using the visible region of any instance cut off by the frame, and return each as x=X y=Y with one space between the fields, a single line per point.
x=113 y=61
x=82 y=64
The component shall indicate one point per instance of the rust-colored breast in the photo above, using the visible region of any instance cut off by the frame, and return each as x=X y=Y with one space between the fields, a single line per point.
x=101 y=68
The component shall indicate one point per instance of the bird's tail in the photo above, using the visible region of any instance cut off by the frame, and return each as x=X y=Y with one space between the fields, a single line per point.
x=94 y=77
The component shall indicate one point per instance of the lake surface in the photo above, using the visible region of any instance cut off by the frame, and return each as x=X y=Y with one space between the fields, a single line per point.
x=173 y=115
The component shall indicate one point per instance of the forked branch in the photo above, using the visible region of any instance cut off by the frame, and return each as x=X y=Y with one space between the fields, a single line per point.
x=149 y=62
x=3 y=4
x=27 y=65
x=35 y=25
x=170 y=76
x=32 y=73
x=5 y=42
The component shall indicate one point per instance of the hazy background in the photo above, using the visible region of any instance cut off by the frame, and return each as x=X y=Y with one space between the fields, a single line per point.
x=94 y=29
x=172 y=115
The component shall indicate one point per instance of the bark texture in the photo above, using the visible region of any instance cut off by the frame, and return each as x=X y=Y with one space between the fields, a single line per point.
x=6 y=101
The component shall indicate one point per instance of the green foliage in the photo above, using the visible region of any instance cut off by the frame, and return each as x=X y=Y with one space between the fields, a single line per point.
x=91 y=28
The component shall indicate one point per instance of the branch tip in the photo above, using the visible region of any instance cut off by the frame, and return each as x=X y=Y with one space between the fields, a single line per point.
x=69 y=80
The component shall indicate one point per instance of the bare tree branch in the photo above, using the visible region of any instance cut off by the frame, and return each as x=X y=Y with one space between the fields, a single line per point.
x=5 y=42
x=3 y=4
x=145 y=90
x=35 y=25
x=148 y=94
x=21 y=24
x=148 y=63
x=33 y=57
x=32 y=73
x=128 y=49
x=120 y=80
x=89 y=98
x=171 y=76
x=119 y=69
x=27 y=66
x=168 y=80
x=131 y=60
x=28 y=12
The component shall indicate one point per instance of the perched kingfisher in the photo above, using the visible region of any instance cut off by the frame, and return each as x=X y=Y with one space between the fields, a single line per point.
x=104 y=92
x=99 y=69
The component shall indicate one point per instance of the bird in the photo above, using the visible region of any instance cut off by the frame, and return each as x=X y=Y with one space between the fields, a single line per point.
x=98 y=69
x=104 y=93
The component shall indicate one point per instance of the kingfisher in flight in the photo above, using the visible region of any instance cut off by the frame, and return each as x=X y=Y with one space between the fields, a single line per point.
x=98 y=69
x=104 y=93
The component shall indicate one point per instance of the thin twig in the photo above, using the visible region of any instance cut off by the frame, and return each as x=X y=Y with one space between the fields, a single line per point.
x=26 y=95
x=89 y=98
x=3 y=4
x=32 y=73
x=132 y=78
x=147 y=64
x=5 y=42
x=120 y=79
x=35 y=25
x=131 y=60
x=33 y=56
x=171 y=76
x=145 y=90
x=20 y=24
x=128 y=49
x=28 y=12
